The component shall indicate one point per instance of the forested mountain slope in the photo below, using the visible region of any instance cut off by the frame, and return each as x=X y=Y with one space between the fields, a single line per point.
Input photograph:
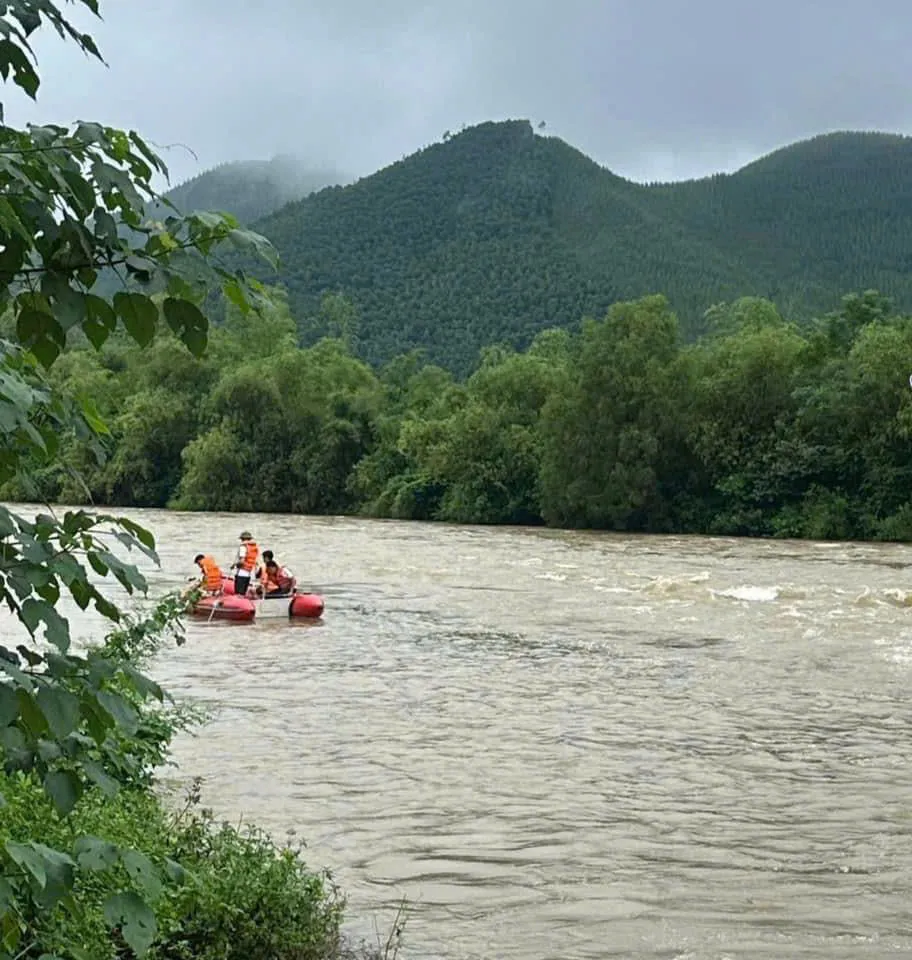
x=829 y=214
x=497 y=233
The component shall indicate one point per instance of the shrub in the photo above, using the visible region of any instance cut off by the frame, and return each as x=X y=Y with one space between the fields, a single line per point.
x=235 y=895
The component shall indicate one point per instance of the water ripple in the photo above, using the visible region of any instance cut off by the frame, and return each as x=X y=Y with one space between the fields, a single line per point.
x=571 y=745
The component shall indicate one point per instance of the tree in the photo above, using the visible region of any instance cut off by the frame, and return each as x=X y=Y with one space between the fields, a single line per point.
x=72 y=224
x=604 y=431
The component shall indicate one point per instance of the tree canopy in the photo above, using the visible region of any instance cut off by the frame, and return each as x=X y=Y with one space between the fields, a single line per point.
x=498 y=233
x=760 y=427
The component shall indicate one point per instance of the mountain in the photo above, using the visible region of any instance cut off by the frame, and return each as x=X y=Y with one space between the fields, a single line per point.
x=252 y=189
x=497 y=233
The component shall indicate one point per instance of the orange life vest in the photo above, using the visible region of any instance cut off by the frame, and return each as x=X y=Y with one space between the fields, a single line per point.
x=278 y=577
x=212 y=573
x=250 y=557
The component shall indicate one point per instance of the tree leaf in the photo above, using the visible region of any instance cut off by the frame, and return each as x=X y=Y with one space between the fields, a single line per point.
x=64 y=788
x=29 y=656
x=26 y=856
x=59 y=870
x=7 y=895
x=41 y=333
x=24 y=74
x=105 y=607
x=68 y=304
x=175 y=871
x=247 y=239
x=92 y=416
x=122 y=712
x=9 y=705
x=57 y=630
x=188 y=322
x=145 y=537
x=100 y=321
x=235 y=293
x=143 y=685
x=59 y=666
x=61 y=709
x=93 y=853
x=133 y=916
x=97 y=774
x=142 y=872
x=139 y=315
x=31 y=715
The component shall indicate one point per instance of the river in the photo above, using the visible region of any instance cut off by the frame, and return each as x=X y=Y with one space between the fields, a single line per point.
x=571 y=745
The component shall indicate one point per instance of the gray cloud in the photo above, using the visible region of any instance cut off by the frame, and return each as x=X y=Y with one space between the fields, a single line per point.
x=651 y=89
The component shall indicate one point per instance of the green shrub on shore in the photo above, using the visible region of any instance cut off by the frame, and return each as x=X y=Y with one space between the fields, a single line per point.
x=230 y=894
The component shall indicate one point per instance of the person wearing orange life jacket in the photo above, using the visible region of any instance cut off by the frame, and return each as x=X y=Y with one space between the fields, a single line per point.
x=211 y=580
x=276 y=581
x=245 y=563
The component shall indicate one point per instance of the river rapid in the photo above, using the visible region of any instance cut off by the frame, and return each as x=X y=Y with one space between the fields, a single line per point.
x=570 y=745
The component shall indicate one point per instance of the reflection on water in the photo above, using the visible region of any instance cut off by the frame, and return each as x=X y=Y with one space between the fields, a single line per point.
x=572 y=745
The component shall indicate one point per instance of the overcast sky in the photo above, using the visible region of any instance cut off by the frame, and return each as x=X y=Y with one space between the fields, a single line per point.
x=653 y=89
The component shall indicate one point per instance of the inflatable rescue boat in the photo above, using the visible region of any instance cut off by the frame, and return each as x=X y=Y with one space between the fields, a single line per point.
x=223 y=607
x=228 y=606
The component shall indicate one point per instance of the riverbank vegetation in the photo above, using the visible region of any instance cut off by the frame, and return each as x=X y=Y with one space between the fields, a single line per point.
x=761 y=428
x=117 y=872
x=94 y=865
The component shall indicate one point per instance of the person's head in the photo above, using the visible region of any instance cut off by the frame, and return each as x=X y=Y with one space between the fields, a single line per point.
x=268 y=555
x=246 y=536
x=198 y=559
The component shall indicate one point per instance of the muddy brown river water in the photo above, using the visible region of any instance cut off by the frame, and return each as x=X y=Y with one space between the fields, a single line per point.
x=565 y=745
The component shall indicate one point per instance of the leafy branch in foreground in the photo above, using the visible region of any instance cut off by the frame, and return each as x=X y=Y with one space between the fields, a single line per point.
x=72 y=218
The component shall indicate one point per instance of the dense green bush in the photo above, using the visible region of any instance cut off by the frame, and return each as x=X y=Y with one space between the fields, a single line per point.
x=232 y=894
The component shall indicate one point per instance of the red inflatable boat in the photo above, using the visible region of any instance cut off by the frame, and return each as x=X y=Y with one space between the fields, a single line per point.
x=224 y=607
x=297 y=604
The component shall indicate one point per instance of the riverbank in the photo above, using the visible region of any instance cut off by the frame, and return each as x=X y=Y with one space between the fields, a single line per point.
x=150 y=873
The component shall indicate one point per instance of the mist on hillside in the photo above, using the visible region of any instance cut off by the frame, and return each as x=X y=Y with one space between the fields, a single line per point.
x=254 y=188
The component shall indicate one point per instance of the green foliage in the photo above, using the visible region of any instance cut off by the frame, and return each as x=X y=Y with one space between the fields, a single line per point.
x=761 y=427
x=219 y=893
x=86 y=850
x=604 y=434
x=498 y=233
x=244 y=897
x=297 y=421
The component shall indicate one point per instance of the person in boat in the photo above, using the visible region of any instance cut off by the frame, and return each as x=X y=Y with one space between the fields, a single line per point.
x=211 y=580
x=245 y=564
x=275 y=580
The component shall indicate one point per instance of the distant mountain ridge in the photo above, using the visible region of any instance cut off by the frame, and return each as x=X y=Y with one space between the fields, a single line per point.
x=498 y=232
x=252 y=189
